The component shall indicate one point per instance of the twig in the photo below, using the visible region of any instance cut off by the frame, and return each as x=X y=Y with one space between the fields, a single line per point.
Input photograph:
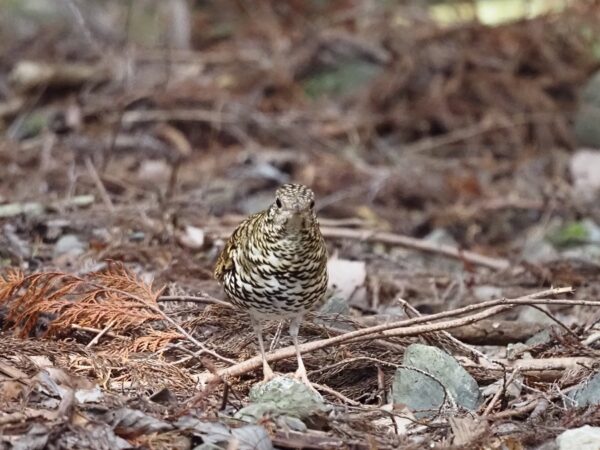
x=336 y=394
x=472 y=131
x=84 y=26
x=560 y=324
x=179 y=115
x=470 y=350
x=203 y=298
x=591 y=339
x=516 y=411
x=498 y=393
x=484 y=332
x=404 y=241
x=351 y=360
x=171 y=321
x=350 y=222
x=99 y=184
x=97 y=330
x=210 y=300
x=102 y=333
x=558 y=363
x=405 y=328
x=417 y=244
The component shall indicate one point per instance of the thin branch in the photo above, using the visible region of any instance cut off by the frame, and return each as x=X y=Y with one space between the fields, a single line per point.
x=97 y=330
x=180 y=115
x=499 y=392
x=100 y=334
x=203 y=298
x=99 y=185
x=470 y=350
x=557 y=321
x=336 y=394
x=405 y=328
x=472 y=131
x=402 y=241
x=416 y=244
x=172 y=322
x=544 y=364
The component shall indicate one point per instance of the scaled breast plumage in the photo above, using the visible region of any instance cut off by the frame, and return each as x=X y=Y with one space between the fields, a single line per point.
x=275 y=262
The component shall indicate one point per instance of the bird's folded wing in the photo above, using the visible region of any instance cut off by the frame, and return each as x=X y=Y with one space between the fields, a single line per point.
x=240 y=234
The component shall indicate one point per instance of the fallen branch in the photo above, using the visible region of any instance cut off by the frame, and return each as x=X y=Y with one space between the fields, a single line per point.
x=203 y=298
x=29 y=75
x=417 y=244
x=559 y=363
x=97 y=331
x=179 y=328
x=482 y=127
x=404 y=328
x=484 y=332
x=402 y=241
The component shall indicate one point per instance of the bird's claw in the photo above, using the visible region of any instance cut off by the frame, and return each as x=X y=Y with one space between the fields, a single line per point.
x=268 y=373
x=301 y=376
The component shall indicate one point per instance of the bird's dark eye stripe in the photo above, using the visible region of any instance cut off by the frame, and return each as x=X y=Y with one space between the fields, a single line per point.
x=278 y=203
x=312 y=203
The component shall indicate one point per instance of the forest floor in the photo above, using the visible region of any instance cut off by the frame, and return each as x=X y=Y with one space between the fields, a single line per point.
x=451 y=192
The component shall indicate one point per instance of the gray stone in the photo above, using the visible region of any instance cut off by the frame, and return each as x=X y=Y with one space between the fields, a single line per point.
x=587 y=117
x=584 y=167
x=282 y=396
x=441 y=236
x=541 y=337
x=588 y=393
x=15 y=209
x=423 y=394
x=518 y=350
x=583 y=438
x=537 y=250
x=137 y=236
x=588 y=253
x=587 y=130
x=335 y=309
x=534 y=315
x=485 y=293
x=69 y=244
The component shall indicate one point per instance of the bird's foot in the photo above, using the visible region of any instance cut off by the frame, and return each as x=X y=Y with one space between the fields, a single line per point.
x=268 y=373
x=301 y=376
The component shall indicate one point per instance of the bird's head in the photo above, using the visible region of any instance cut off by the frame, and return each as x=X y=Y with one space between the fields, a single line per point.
x=293 y=208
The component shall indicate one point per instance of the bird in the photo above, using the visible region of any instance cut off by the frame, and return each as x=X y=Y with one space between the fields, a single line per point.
x=274 y=266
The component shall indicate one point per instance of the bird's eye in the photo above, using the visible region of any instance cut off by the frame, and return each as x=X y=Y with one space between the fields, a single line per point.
x=278 y=203
x=312 y=204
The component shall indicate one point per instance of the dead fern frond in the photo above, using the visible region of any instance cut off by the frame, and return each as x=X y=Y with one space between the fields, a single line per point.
x=118 y=278
x=123 y=313
x=9 y=283
x=155 y=341
x=113 y=296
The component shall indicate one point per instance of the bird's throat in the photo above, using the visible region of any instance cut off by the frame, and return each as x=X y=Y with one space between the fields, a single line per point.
x=295 y=223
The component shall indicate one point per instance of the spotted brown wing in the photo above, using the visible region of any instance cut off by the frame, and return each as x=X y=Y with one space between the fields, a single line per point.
x=225 y=262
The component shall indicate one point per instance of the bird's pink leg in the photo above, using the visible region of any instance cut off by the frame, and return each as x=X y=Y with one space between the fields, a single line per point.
x=268 y=373
x=301 y=372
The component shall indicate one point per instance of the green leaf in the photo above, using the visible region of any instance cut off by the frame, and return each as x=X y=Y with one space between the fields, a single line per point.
x=340 y=80
x=569 y=235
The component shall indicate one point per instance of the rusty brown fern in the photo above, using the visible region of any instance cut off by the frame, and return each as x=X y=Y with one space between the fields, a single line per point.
x=112 y=296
